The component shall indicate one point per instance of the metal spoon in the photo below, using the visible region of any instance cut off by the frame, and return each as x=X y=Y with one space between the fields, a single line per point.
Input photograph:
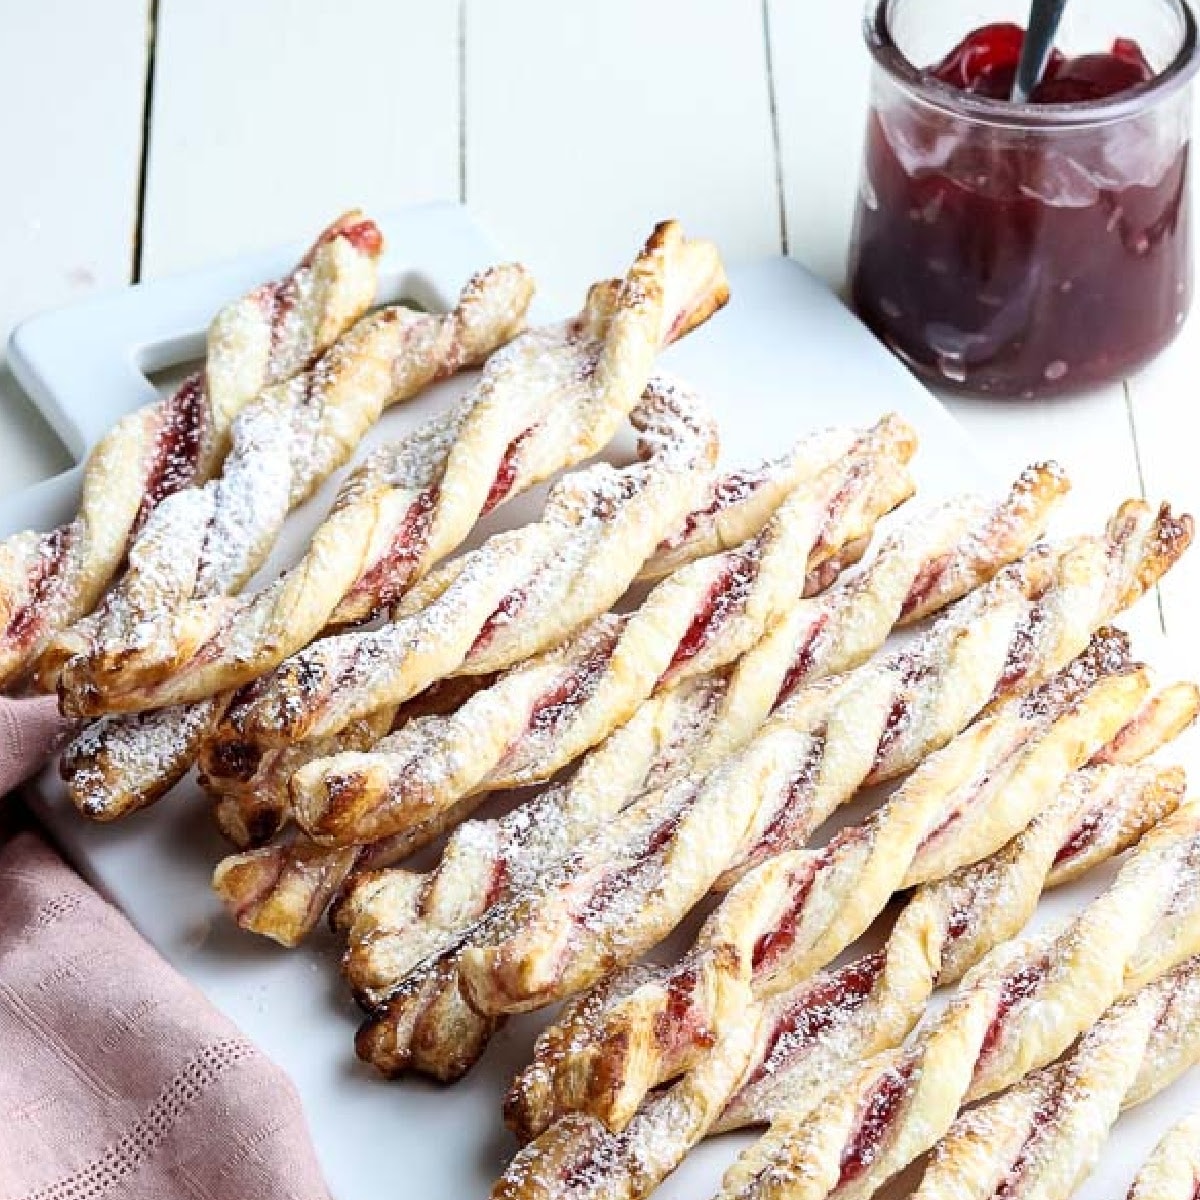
x=1044 y=17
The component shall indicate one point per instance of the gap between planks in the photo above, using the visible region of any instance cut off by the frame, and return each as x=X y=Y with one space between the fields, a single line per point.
x=135 y=269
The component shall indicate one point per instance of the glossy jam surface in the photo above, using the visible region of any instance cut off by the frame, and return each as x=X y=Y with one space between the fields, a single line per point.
x=1023 y=261
x=985 y=64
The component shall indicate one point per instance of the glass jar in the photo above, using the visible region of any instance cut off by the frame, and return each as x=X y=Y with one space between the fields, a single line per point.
x=1024 y=250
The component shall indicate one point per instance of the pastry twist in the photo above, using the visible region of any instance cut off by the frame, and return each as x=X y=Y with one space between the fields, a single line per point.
x=551 y=398
x=50 y=580
x=289 y=891
x=1044 y=1136
x=520 y=593
x=593 y=523
x=504 y=636
x=208 y=540
x=931 y=560
x=1021 y=1007
x=624 y=888
x=578 y=1158
x=654 y=1025
x=796 y=913
x=447 y=765
x=739 y=503
x=597 y=526
x=836 y=1021
x=544 y=714
x=426 y=1024
x=812 y=1035
x=251 y=782
x=1172 y=1172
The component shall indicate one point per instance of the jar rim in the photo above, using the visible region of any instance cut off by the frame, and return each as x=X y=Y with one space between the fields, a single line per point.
x=985 y=110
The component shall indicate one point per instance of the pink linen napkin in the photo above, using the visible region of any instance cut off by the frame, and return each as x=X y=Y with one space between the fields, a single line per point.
x=117 y=1078
x=30 y=731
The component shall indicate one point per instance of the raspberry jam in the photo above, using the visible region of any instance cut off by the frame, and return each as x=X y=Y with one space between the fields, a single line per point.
x=1025 y=250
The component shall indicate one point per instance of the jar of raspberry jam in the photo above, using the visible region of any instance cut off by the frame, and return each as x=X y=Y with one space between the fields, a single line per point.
x=1026 y=250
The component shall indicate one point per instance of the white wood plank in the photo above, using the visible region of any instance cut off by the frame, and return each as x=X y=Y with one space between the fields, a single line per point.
x=71 y=85
x=586 y=122
x=270 y=118
x=819 y=77
x=1163 y=407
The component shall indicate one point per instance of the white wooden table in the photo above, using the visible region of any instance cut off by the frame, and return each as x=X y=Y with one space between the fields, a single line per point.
x=149 y=136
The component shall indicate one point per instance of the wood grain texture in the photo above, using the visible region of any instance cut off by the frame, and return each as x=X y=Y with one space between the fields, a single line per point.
x=586 y=122
x=71 y=84
x=270 y=118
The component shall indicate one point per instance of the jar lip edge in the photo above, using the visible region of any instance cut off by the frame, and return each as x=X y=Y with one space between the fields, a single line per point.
x=1075 y=114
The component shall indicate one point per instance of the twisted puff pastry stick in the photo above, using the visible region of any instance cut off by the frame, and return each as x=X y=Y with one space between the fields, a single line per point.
x=541 y=717
x=597 y=526
x=593 y=523
x=814 y=1034
x=1172 y=1172
x=578 y=1158
x=607 y=1052
x=740 y=502
x=551 y=398
x=1044 y=1136
x=425 y=1016
x=208 y=540
x=50 y=580
x=395 y=918
x=520 y=593
x=1021 y=1007
x=448 y=764
x=630 y=884
x=797 y=912
x=251 y=782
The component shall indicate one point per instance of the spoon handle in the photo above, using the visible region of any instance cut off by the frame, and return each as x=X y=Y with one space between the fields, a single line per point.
x=1044 y=18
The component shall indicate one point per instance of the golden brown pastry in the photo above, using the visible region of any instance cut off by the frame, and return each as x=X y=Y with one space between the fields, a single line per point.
x=931 y=560
x=1021 y=1007
x=518 y=594
x=298 y=698
x=425 y=1024
x=593 y=522
x=655 y=861
x=784 y=922
x=738 y=503
x=816 y=1033
x=443 y=767
x=544 y=714
x=803 y=1049
x=1043 y=1137
x=552 y=397
x=1172 y=1172
x=207 y=541
x=50 y=580
x=250 y=777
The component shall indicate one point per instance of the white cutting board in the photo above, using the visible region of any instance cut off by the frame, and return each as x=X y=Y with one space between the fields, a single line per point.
x=783 y=357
